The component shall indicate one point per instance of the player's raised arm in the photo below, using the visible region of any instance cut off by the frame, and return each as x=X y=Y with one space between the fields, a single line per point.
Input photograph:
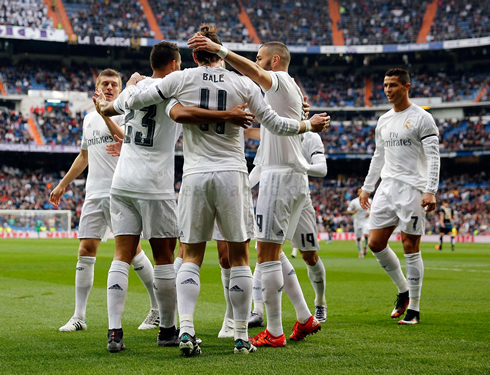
x=154 y=94
x=248 y=68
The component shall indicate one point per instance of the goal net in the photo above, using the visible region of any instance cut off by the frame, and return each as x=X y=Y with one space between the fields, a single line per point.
x=35 y=224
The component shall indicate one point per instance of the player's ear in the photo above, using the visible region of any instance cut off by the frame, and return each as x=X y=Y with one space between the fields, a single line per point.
x=174 y=63
x=194 y=57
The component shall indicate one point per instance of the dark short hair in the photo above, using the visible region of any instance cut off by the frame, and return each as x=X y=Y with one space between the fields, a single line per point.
x=211 y=33
x=278 y=48
x=402 y=75
x=162 y=54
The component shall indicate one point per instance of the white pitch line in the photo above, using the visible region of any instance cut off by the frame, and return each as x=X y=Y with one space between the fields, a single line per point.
x=455 y=269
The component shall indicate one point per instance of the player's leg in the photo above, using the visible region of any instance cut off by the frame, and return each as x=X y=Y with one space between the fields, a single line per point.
x=294 y=252
x=92 y=229
x=144 y=269
x=453 y=238
x=316 y=274
x=383 y=221
x=441 y=239
x=365 y=232
x=415 y=276
x=117 y=287
x=196 y=222
x=179 y=258
x=257 y=316
x=227 y=329
x=84 y=280
x=235 y=221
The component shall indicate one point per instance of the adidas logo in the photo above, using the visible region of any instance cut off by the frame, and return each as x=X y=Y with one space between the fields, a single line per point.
x=236 y=288
x=188 y=281
x=80 y=268
x=262 y=289
x=280 y=233
x=115 y=287
x=139 y=268
x=181 y=234
x=318 y=282
x=281 y=289
x=154 y=286
x=256 y=288
x=292 y=272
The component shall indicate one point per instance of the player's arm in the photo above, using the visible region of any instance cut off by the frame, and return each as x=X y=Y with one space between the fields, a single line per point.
x=377 y=163
x=196 y=115
x=441 y=219
x=318 y=162
x=351 y=210
x=160 y=91
x=76 y=169
x=248 y=68
x=430 y=143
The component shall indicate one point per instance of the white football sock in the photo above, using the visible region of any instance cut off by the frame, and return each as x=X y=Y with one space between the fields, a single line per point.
x=359 y=246
x=257 y=291
x=293 y=290
x=391 y=264
x=415 y=276
x=316 y=275
x=164 y=281
x=117 y=288
x=273 y=284
x=144 y=269
x=240 y=287
x=177 y=264
x=225 y=280
x=188 y=288
x=84 y=279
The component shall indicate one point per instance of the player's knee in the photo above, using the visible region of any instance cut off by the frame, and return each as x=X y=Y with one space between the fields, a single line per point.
x=375 y=245
x=310 y=257
x=87 y=250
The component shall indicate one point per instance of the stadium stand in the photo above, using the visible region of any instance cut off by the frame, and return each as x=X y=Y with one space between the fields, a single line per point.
x=115 y=18
x=13 y=128
x=25 y=13
x=59 y=127
x=381 y=22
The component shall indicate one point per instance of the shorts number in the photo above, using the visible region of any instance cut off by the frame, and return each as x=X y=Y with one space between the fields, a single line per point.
x=259 y=222
x=309 y=238
x=204 y=103
x=415 y=220
x=147 y=122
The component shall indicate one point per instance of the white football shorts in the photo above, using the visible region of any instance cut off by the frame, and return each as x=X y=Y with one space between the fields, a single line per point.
x=95 y=220
x=305 y=237
x=222 y=196
x=362 y=228
x=283 y=194
x=396 y=203
x=148 y=218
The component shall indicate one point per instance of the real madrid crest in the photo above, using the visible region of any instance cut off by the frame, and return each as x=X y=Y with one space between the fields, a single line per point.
x=407 y=125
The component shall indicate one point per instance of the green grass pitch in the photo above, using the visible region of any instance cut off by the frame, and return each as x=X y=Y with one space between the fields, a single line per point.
x=37 y=297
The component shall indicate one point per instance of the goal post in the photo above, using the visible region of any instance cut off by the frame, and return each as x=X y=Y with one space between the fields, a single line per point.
x=36 y=224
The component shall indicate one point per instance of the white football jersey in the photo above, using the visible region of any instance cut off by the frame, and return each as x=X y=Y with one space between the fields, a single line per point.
x=399 y=152
x=212 y=147
x=286 y=99
x=312 y=148
x=146 y=166
x=101 y=165
x=360 y=216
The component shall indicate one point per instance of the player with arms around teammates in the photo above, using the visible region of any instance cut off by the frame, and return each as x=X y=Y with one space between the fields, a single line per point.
x=284 y=189
x=407 y=160
x=361 y=222
x=215 y=182
x=95 y=221
x=142 y=193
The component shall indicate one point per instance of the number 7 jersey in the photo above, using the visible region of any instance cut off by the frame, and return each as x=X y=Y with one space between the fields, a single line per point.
x=145 y=169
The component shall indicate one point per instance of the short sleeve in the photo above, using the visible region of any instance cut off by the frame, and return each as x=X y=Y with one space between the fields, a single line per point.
x=169 y=105
x=275 y=81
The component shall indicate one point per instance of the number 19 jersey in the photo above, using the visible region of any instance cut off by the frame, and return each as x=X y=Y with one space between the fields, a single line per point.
x=146 y=165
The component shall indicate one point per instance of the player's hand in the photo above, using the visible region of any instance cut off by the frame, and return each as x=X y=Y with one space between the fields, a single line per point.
x=237 y=116
x=319 y=122
x=364 y=200
x=55 y=196
x=114 y=149
x=200 y=43
x=306 y=108
x=134 y=79
x=429 y=202
x=100 y=101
